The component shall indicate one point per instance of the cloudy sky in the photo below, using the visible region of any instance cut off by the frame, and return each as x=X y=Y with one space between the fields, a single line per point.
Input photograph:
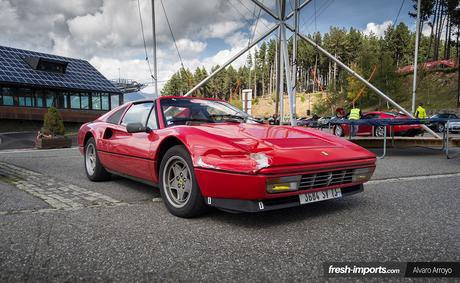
x=208 y=32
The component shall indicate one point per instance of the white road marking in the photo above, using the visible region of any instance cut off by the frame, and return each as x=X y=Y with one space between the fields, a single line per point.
x=35 y=150
x=11 y=133
x=412 y=178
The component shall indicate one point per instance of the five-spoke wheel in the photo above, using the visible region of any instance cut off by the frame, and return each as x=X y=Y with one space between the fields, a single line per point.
x=177 y=181
x=94 y=169
x=178 y=186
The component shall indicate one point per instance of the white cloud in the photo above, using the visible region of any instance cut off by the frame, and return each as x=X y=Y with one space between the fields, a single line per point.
x=108 y=34
x=8 y=15
x=222 y=29
x=377 y=29
x=189 y=47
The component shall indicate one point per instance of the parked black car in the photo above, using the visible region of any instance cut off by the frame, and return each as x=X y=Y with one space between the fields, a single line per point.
x=439 y=126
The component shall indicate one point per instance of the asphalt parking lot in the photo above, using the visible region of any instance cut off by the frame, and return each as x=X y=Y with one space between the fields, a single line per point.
x=120 y=230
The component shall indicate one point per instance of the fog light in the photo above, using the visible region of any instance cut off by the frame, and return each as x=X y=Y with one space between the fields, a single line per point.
x=362 y=174
x=283 y=184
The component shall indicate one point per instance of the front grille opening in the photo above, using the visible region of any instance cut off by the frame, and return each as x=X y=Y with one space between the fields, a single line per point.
x=326 y=179
x=277 y=201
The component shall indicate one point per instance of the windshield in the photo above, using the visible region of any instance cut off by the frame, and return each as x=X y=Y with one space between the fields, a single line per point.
x=189 y=111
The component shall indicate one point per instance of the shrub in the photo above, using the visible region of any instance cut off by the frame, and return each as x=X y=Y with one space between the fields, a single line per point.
x=53 y=123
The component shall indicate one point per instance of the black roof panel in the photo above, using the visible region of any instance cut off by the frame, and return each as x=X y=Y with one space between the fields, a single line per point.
x=79 y=74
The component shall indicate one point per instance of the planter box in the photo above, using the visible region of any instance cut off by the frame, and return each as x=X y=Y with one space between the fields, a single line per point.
x=54 y=142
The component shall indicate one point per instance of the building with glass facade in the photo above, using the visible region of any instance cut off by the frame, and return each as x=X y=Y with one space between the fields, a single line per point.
x=30 y=82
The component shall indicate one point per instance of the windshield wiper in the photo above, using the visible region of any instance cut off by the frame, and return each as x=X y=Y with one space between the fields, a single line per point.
x=178 y=120
x=229 y=117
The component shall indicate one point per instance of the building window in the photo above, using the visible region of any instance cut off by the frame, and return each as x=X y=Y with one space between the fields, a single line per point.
x=61 y=99
x=84 y=100
x=105 y=101
x=8 y=100
x=7 y=95
x=39 y=96
x=25 y=101
x=50 y=98
x=115 y=100
x=65 y=99
x=75 y=101
x=96 y=101
x=25 y=97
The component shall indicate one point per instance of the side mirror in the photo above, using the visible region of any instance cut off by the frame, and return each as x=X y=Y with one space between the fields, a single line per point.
x=137 y=128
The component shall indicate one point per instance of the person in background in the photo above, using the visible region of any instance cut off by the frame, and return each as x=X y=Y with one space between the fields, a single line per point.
x=420 y=112
x=355 y=114
x=340 y=112
x=273 y=120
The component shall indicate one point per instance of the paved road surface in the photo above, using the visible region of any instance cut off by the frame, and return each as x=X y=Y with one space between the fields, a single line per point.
x=119 y=230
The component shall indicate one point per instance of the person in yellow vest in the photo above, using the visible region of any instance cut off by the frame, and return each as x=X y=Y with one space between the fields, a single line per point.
x=420 y=113
x=355 y=114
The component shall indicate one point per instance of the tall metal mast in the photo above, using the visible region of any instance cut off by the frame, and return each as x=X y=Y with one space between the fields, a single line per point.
x=281 y=14
x=155 y=70
x=417 y=32
x=294 y=56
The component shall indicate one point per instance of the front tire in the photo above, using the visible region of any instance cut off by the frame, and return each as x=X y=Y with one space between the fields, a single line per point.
x=178 y=186
x=93 y=167
x=338 y=131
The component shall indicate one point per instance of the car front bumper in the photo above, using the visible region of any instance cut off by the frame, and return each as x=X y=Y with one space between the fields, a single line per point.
x=454 y=127
x=238 y=205
x=244 y=192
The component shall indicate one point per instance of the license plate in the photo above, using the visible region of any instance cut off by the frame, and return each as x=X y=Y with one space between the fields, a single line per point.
x=320 y=196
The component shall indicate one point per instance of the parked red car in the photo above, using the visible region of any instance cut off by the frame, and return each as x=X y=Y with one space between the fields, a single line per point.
x=368 y=130
x=203 y=152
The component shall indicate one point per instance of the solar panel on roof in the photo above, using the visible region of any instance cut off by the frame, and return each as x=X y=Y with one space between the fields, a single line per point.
x=79 y=75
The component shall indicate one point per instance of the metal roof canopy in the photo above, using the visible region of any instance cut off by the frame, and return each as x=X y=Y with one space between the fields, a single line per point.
x=283 y=59
x=19 y=66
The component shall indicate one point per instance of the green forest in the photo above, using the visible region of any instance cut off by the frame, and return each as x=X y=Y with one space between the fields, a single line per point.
x=375 y=58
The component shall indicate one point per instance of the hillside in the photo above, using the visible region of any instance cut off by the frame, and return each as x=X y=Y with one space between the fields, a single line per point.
x=265 y=106
x=437 y=90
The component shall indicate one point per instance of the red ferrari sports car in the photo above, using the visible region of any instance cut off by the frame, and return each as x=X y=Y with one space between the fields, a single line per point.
x=368 y=130
x=205 y=152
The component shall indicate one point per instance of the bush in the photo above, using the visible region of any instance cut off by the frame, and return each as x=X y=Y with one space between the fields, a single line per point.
x=53 y=123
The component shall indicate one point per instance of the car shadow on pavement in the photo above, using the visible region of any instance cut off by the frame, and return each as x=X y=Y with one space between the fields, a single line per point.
x=138 y=187
x=286 y=216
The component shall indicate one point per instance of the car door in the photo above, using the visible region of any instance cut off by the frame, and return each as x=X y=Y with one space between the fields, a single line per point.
x=130 y=153
x=366 y=130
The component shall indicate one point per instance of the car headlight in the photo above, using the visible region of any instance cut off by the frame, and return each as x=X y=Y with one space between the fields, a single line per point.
x=362 y=174
x=283 y=184
x=261 y=159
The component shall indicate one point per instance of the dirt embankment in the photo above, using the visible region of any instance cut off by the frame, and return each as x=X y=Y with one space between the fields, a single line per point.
x=265 y=106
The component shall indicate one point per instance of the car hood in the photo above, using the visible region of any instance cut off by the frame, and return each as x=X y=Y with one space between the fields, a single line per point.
x=281 y=145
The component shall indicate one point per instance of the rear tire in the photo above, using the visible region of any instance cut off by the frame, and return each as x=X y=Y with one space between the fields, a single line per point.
x=178 y=186
x=441 y=128
x=379 y=131
x=93 y=167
